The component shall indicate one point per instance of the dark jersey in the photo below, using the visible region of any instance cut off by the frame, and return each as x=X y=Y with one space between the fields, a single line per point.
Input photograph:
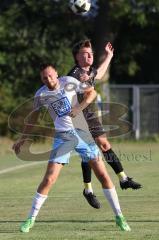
x=90 y=112
x=76 y=71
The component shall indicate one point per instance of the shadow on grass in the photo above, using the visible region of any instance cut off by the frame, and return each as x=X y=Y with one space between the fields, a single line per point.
x=4 y=229
x=82 y=221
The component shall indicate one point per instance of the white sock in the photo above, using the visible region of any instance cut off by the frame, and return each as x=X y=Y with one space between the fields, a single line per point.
x=87 y=191
x=124 y=179
x=37 y=203
x=112 y=198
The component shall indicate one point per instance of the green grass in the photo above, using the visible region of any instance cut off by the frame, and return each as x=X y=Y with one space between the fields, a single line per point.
x=66 y=214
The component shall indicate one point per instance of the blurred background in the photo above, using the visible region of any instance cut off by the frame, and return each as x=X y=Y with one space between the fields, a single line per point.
x=35 y=31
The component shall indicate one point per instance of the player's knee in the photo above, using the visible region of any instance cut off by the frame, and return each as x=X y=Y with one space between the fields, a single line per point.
x=49 y=181
x=108 y=146
x=105 y=146
x=103 y=178
x=103 y=143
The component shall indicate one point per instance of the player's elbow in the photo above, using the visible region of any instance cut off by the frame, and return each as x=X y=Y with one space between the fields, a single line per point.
x=90 y=95
x=94 y=94
x=99 y=75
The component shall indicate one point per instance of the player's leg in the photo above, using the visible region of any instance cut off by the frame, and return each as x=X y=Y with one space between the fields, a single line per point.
x=89 y=152
x=108 y=153
x=58 y=157
x=88 y=190
x=86 y=171
x=84 y=138
x=109 y=191
x=113 y=160
x=50 y=177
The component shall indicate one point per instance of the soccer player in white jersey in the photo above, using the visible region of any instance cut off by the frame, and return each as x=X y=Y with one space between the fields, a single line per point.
x=59 y=96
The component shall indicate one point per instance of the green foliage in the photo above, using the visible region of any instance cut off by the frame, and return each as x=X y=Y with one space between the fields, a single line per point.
x=32 y=32
x=7 y=104
x=136 y=42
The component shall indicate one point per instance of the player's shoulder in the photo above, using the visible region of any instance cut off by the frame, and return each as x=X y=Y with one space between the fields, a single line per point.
x=74 y=70
x=94 y=70
x=68 y=79
x=72 y=83
x=40 y=91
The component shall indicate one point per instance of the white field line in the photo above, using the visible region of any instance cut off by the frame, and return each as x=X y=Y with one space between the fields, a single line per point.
x=11 y=169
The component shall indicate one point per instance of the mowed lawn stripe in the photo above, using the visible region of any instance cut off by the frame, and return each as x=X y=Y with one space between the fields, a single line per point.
x=11 y=169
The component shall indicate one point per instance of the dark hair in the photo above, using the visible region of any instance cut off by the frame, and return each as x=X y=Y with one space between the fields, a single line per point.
x=45 y=65
x=79 y=45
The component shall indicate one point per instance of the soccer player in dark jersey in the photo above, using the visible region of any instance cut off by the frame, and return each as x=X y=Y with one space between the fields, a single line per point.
x=85 y=71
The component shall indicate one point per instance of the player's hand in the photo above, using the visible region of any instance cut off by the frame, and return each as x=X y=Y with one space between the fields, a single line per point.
x=16 y=146
x=84 y=77
x=103 y=143
x=109 y=49
x=75 y=111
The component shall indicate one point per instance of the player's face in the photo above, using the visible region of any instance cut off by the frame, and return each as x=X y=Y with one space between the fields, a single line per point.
x=85 y=57
x=49 y=77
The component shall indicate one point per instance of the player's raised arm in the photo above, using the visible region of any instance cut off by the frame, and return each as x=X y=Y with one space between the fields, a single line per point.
x=104 y=66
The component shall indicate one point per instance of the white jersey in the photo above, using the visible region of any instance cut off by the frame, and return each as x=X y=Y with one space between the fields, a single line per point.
x=59 y=103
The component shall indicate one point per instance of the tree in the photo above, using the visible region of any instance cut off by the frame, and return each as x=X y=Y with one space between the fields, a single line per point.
x=30 y=33
x=35 y=31
x=136 y=42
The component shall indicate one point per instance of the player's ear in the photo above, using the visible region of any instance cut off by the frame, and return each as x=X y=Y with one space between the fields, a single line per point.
x=56 y=73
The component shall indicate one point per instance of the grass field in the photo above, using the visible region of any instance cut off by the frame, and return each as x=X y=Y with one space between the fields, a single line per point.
x=66 y=214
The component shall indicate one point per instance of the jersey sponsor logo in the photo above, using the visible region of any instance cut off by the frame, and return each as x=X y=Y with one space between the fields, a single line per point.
x=61 y=107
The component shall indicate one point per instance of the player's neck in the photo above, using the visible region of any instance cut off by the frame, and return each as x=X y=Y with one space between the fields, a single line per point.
x=54 y=87
x=86 y=68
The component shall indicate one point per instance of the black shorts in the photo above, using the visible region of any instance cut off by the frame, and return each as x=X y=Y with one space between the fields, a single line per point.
x=90 y=114
x=97 y=131
x=95 y=126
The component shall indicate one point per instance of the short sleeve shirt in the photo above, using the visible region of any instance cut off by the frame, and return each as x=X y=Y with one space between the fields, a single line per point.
x=60 y=101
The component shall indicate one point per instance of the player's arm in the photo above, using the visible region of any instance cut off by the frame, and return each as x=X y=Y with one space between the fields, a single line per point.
x=32 y=119
x=89 y=95
x=104 y=66
x=78 y=74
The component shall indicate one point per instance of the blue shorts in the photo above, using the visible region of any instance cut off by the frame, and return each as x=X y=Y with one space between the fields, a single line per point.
x=75 y=139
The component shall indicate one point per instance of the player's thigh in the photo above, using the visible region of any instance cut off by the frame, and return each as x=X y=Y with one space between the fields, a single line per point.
x=53 y=171
x=98 y=166
x=86 y=147
x=62 y=147
x=87 y=151
x=50 y=177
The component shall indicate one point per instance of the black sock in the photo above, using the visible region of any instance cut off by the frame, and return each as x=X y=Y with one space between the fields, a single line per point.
x=113 y=161
x=86 y=170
